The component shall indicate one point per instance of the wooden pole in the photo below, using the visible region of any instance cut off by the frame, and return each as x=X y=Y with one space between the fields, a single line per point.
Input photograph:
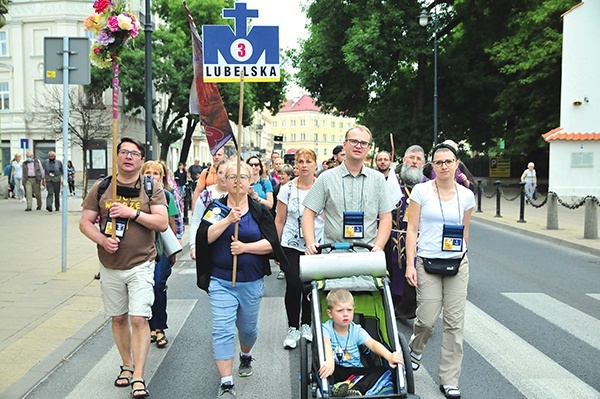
x=393 y=148
x=237 y=186
x=115 y=133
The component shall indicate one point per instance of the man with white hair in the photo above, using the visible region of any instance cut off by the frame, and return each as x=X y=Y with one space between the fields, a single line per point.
x=403 y=294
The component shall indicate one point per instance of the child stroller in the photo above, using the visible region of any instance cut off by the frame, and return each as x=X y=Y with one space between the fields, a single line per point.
x=364 y=275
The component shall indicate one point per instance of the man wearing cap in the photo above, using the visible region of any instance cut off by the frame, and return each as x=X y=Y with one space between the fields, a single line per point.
x=354 y=198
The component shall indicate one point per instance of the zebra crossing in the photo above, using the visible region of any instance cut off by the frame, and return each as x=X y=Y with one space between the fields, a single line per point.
x=525 y=368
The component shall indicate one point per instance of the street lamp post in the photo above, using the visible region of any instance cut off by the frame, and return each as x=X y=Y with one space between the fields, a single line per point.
x=423 y=21
x=148 y=76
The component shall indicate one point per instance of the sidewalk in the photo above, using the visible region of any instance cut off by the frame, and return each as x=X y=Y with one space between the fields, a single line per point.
x=47 y=314
x=570 y=221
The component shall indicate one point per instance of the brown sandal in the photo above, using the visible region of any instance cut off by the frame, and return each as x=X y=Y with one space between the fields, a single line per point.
x=145 y=392
x=128 y=369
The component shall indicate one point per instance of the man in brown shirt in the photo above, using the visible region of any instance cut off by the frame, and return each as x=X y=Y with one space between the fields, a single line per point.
x=127 y=262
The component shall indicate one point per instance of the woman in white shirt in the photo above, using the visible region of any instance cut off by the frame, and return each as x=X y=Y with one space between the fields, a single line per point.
x=288 y=223
x=216 y=191
x=440 y=214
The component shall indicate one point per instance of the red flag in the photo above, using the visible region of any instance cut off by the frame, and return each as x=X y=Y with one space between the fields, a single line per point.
x=205 y=99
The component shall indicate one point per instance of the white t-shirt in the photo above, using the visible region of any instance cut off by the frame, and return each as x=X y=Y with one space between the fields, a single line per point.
x=292 y=197
x=431 y=222
x=18 y=174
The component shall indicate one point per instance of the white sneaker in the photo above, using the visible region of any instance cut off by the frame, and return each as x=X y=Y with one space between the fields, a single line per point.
x=306 y=332
x=291 y=339
x=280 y=275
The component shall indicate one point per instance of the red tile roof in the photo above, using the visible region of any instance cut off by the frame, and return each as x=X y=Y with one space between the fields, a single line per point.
x=304 y=103
x=561 y=134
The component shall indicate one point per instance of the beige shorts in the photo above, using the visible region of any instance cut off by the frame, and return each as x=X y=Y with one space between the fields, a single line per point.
x=128 y=291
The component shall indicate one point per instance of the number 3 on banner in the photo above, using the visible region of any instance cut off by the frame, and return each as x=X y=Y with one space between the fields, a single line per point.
x=241 y=50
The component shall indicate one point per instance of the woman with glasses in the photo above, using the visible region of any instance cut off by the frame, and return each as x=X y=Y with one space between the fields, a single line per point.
x=288 y=222
x=239 y=305
x=215 y=191
x=261 y=188
x=440 y=214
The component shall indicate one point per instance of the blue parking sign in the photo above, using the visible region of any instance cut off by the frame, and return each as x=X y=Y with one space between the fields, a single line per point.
x=227 y=53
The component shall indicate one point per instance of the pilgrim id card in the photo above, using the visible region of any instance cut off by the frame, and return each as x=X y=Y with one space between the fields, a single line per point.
x=452 y=238
x=215 y=212
x=354 y=224
x=121 y=225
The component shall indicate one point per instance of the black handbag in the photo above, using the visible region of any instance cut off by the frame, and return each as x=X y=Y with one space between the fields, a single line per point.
x=444 y=267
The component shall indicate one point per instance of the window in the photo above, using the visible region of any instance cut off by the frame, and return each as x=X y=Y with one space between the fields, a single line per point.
x=293 y=137
x=3 y=44
x=302 y=136
x=4 y=96
x=333 y=137
x=316 y=137
x=324 y=151
x=316 y=123
x=341 y=125
x=292 y=123
x=324 y=123
x=332 y=125
x=282 y=123
x=274 y=124
x=302 y=122
x=316 y=151
x=324 y=137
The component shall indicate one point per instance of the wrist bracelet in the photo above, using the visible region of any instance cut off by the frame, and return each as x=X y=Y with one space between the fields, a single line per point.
x=137 y=214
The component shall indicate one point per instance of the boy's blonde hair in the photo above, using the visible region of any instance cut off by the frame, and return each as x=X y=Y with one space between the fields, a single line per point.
x=339 y=295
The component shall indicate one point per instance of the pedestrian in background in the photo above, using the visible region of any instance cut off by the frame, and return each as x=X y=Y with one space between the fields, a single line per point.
x=53 y=177
x=71 y=177
x=16 y=176
x=236 y=306
x=529 y=177
x=440 y=214
x=33 y=177
x=261 y=189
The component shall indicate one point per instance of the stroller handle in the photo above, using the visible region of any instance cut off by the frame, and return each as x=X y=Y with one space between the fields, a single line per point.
x=343 y=245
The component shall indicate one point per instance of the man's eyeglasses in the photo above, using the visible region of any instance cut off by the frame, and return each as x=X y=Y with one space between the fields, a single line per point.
x=447 y=162
x=358 y=143
x=242 y=177
x=134 y=154
x=254 y=164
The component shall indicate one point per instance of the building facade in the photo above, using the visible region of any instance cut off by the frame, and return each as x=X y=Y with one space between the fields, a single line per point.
x=303 y=125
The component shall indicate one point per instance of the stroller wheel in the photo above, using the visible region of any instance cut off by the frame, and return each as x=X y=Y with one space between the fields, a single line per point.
x=304 y=369
x=409 y=377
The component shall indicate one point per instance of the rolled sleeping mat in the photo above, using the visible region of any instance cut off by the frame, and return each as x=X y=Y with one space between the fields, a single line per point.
x=342 y=264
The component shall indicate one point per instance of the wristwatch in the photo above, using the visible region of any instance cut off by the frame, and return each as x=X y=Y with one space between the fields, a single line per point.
x=137 y=214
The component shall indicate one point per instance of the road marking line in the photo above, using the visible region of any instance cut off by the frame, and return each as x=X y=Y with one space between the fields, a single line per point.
x=98 y=383
x=534 y=374
x=573 y=321
x=595 y=296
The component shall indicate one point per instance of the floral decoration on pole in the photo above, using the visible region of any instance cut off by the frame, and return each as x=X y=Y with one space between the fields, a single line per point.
x=114 y=26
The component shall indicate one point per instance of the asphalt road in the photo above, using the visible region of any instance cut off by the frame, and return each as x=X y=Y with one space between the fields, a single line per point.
x=531 y=331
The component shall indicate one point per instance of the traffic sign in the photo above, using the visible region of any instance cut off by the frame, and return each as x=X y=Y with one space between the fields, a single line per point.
x=227 y=53
x=24 y=144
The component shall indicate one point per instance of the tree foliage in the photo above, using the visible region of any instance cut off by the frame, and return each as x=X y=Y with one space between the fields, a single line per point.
x=498 y=69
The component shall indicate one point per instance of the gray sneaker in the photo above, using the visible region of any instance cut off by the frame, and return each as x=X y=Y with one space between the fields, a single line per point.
x=245 y=369
x=306 y=332
x=226 y=391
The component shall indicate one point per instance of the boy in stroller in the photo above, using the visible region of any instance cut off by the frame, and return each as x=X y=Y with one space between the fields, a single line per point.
x=342 y=338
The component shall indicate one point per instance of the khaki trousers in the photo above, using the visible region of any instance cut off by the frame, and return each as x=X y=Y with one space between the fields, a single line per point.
x=434 y=293
x=32 y=187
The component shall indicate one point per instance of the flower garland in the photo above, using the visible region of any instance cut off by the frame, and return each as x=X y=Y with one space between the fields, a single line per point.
x=113 y=26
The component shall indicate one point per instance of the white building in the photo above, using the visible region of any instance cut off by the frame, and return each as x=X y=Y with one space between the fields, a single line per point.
x=575 y=145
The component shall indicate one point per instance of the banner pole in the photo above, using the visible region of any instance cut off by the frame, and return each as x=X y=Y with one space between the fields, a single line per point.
x=115 y=133
x=237 y=186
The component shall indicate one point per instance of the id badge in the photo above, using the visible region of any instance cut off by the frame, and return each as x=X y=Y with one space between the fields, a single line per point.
x=354 y=224
x=300 y=227
x=121 y=225
x=452 y=238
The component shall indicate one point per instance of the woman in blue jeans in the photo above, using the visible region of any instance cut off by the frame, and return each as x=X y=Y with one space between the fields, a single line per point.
x=235 y=306
x=162 y=269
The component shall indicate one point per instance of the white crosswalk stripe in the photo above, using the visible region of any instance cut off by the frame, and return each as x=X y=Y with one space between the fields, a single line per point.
x=595 y=296
x=94 y=384
x=572 y=320
x=529 y=370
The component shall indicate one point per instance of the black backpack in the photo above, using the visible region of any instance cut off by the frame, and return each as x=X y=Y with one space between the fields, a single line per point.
x=148 y=185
